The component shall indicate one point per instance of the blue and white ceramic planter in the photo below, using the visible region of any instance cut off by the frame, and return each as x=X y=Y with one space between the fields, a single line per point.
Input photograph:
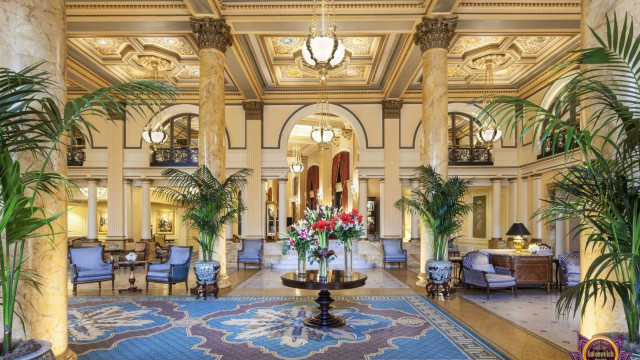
x=439 y=271
x=207 y=271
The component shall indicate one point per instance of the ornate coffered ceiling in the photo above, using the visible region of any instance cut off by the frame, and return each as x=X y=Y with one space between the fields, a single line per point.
x=108 y=39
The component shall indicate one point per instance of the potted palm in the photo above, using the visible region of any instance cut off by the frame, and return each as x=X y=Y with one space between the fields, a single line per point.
x=440 y=206
x=601 y=190
x=209 y=206
x=34 y=125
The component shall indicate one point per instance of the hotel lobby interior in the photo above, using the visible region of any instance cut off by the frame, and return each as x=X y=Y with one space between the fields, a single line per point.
x=403 y=84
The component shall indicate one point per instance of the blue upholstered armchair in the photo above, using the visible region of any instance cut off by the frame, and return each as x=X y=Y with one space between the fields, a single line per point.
x=392 y=252
x=251 y=253
x=87 y=266
x=172 y=271
x=569 y=269
x=478 y=271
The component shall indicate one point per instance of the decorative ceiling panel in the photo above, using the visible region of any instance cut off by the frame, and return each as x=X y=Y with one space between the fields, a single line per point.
x=179 y=45
x=105 y=45
x=465 y=43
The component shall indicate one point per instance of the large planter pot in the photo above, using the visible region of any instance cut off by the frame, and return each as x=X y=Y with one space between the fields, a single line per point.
x=207 y=271
x=42 y=353
x=439 y=271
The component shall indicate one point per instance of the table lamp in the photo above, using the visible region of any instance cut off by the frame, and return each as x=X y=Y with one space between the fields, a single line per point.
x=518 y=230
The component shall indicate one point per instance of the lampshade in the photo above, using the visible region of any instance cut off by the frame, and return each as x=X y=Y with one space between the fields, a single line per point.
x=322 y=134
x=323 y=50
x=296 y=168
x=518 y=229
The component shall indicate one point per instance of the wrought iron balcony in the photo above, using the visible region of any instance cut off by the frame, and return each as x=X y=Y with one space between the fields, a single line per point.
x=470 y=155
x=548 y=148
x=175 y=156
x=75 y=156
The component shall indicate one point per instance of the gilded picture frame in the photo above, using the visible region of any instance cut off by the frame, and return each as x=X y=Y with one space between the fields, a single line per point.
x=165 y=222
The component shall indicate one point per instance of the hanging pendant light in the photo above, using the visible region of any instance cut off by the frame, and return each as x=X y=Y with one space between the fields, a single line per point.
x=154 y=134
x=296 y=165
x=322 y=132
x=490 y=133
x=323 y=51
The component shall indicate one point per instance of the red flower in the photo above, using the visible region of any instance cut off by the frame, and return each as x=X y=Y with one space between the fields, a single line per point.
x=359 y=218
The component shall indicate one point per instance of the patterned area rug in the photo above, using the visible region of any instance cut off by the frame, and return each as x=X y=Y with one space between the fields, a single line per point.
x=266 y=327
x=270 y=279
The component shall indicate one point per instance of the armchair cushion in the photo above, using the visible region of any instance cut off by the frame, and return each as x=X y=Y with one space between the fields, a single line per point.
x=484 y=267
x=480 y=259
x=500 y=280
x=573 y=269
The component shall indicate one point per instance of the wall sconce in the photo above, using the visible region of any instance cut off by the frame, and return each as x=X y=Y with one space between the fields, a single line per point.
x=354 y=189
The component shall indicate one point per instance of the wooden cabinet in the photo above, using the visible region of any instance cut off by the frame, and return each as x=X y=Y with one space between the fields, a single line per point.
x=528 y=269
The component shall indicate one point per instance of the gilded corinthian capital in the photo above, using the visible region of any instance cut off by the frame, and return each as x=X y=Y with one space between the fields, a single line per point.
x=212 y=33
x=435 y=32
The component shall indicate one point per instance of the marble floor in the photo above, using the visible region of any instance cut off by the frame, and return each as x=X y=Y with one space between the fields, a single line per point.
x=504 y=322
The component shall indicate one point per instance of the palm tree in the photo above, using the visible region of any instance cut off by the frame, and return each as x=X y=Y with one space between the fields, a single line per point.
x=210 y=204
x=439 y=205
x=35 y=125
x=602 y=191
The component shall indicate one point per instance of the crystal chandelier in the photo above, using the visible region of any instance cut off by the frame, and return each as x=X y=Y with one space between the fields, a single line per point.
x=323 y=51
x=488 y=134
x=296 y=165
x=154 y=134
x=322 y=132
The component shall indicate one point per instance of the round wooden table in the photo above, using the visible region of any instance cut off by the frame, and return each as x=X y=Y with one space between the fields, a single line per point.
x=335 y=281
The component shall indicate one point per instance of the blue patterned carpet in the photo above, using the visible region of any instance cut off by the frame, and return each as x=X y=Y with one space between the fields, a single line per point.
x=266 y=327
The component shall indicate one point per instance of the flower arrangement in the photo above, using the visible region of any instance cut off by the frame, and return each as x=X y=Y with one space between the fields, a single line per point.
x=300 y=237
x=348 y=226
x=132 y=256
x=533 y=248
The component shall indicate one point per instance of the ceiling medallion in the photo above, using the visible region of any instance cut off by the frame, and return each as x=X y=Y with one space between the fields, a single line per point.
x=323 y=51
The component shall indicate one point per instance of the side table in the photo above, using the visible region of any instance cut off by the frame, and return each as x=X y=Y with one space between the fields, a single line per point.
x=201 y=289
x=132 y=278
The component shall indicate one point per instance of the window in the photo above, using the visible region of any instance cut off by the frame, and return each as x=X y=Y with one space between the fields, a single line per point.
x=181 y=147
x=464 y=147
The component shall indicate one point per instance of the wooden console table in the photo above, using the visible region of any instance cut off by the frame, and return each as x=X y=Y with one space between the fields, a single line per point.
x=528 y=269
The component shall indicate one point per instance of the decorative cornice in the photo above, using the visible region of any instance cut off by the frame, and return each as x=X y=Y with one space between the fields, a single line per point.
x=253 y=110
x=212 y=33
x=391 y=109
x=524 y=4
x=309 y=6
x=435 y=32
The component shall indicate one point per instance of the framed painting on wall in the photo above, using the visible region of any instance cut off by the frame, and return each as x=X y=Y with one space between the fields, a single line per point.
x=479 y=217
x=103 y=221
x=165 y=220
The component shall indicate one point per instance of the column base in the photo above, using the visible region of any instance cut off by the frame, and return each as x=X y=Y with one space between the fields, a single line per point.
x=67 y=354
x=423 y=280
x=223 y=281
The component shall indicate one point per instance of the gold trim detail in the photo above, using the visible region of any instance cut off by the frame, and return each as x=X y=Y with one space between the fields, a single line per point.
x=212 y=33
x=435 y=32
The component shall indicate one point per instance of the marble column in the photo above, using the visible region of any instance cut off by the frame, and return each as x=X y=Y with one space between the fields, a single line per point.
x=513 y=201
x=92 y=209
x=496 y=218
x=536 y=183
x=525 y=203
x=263 y=197
x=415 y=219
x=601 y=319
x=433 y=35
x=33 y=33
x=392 y=220
x=382 y=231
x=362 y=203
x=128 y=211
x=214 y=37
x=145 y=233
x=255 y=203
x=115 y=180
x=282 y=206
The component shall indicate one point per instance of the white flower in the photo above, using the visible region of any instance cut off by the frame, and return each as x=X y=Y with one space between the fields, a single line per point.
x=132 y=256
x=533 y=248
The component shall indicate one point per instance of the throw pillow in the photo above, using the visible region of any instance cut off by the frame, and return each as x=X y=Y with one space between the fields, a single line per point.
x=484 y=267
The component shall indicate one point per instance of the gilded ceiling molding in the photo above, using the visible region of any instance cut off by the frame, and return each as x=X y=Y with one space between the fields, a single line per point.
x=435 y=32
x=253 y=110
x=75 y=66
x=391 y=109
x=212 y=33
x=304 y=6
x=546 y=77
x=525 y=4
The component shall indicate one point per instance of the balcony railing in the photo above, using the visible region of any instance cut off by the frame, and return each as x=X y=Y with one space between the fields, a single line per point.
x=176 y=156
x=75 y=156
x=548 y=148
x=470 y=155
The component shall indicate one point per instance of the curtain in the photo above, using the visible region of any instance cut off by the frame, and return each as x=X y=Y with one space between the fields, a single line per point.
x=344 y=176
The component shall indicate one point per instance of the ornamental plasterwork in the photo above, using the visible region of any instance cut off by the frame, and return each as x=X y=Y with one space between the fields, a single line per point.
x=293 y=72
x=532 y=45
x=134 y=74
x=178 y=45
x=105 y=45
x=352 y=72
x=454 y=71
x=466 y=43
x=285 y=46
x=189 y=73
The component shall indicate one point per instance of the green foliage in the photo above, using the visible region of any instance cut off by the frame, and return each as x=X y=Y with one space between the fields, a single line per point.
x=439 y=204
x=34 y=125
x=600 y=191
x=210 y=204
